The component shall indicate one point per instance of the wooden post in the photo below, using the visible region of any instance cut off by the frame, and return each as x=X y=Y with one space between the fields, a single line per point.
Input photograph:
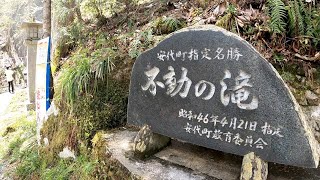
x=253 y=168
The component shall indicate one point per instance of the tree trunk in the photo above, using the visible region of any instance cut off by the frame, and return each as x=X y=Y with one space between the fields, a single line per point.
x=76 y=7
x=47 y=33
x=46 y=18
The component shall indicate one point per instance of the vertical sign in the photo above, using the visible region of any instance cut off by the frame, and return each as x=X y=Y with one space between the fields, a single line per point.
x=42 y=82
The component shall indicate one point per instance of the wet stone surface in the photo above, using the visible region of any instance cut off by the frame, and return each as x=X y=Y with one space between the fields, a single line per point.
x=209 y=87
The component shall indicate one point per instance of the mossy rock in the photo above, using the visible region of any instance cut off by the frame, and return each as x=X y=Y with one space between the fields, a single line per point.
x=147 y=143
x=8 y=130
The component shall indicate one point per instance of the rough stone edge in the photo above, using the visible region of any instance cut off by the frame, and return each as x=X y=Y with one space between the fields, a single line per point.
x=203 y=28
x=308 y=133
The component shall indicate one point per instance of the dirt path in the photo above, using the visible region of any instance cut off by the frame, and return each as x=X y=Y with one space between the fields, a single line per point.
x=5 y=99
x=12 y=108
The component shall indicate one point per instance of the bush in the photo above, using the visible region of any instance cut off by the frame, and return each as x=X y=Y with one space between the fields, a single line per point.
x=166 y=25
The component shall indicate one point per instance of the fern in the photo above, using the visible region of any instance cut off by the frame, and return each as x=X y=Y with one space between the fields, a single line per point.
x=278 y=15
x=165 y=25
x=300 y=19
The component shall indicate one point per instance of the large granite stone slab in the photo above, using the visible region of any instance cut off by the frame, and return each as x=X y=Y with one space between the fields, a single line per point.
x=209 y=87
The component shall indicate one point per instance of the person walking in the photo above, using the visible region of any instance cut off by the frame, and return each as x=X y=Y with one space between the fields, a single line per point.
x=9 y=76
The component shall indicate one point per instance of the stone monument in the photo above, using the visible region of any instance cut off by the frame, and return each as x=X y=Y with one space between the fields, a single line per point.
x=207 y=86
x=33 y=35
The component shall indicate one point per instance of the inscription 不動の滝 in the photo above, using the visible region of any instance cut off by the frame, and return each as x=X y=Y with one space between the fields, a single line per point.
x=237 y=94
x=211 y=88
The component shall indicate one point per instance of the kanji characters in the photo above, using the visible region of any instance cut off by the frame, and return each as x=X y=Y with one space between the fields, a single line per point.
x=188 y=128
x=218 y=53
x=238 y=94
x=248 y=141
x=237 y=139
x=267 y=129
x=177 y=86
x=193 y=54
x=183 y=113
x=162 y=55
x=260 y=143
x=151 y=85
x=171 y=81
x=206 y=132
x=228 y=136
x=233 y=53
x=205 y=54
x=203 y=85
x=217 y=134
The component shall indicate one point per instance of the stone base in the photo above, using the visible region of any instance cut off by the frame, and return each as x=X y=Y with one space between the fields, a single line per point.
x=31 y=107
x=186 y=161
x=253 y=168
x=147 y=143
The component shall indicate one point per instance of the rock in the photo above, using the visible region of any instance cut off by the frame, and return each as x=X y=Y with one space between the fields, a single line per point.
x=299 y=95
x=206 y=86
x=317 y=91
x=313 y=116
x=67 y=153
x=147 y=143
x=28 y=144
x=46 y=141
x=253 y=168
x=8 y=130
x=312 y=98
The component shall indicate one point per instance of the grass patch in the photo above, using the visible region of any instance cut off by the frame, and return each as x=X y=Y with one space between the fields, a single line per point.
x=17 y=102
x=17 y=131
x=34 y=166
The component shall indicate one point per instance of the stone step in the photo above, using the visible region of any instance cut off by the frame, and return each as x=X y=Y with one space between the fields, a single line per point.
x=186 y=161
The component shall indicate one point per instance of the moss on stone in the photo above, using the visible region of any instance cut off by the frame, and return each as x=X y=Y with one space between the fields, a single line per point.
x=108 y=167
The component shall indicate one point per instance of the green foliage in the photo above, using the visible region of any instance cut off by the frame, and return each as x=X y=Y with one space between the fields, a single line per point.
x=75 y=78
x=315 y=25
x=304 y=21
x=232 y=9
x=296 y=15
x=81 y=76
x=278 y=16
x=102 y=67
x=106 y=109
x=14 y=145
x=73 y=34
x=166 y=25
x=34 y=166
x=101 y=9
x=227 y=21
x=64 y=10
x=62 y=170
x=29 y=165
x=287 y=76
x=142 y=41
